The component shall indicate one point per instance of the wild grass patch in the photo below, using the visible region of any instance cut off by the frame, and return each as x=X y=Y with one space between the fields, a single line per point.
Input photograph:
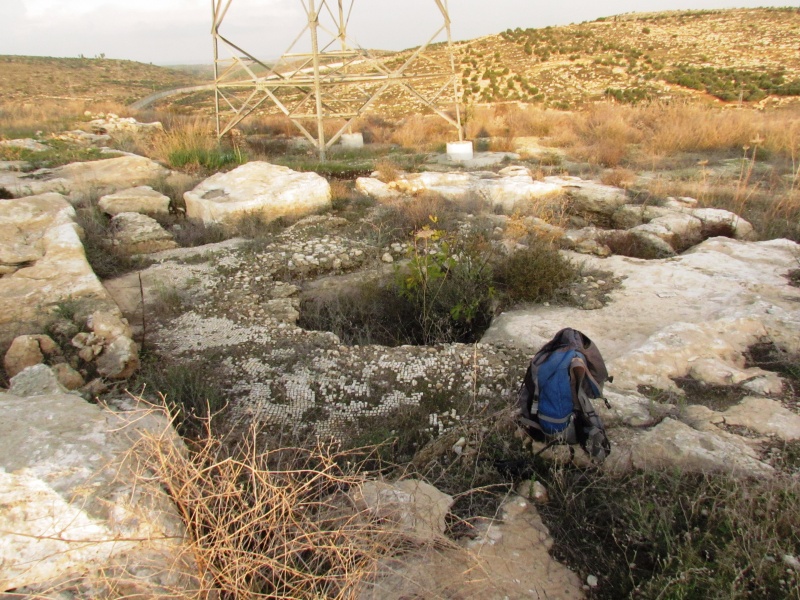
x=184 y=390
x=58 y=153
x=105 y=260
x=192 y=145
x=675 y=535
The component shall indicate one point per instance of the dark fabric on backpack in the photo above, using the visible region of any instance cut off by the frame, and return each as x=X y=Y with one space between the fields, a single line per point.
x=554 y=403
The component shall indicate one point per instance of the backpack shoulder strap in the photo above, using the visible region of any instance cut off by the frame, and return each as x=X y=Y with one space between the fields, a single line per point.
x=529 y=391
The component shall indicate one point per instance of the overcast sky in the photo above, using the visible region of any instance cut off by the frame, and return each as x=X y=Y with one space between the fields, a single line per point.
x=178 y=31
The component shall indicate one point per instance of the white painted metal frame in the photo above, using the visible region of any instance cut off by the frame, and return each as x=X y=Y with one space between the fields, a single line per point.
x=328 y=82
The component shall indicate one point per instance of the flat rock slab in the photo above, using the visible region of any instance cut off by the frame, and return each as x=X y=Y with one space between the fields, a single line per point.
x=673 y=444
x=765 y=416
x=258 y=188
x=511 y=189
x=43 y=263
x=479 y=160
x=25 y=144
x=78 y=180
x=72 y=504
x=135 y=233
x=711 y=302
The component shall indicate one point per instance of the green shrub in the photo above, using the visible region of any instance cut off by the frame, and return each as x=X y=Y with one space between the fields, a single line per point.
x=536 y=274
x=448 y=291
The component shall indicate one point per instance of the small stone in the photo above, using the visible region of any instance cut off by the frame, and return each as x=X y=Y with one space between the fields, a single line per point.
x=791 y=562
x=108 y=326
x=87 y=353
x=539 y=493
x=120 y=359
x=67 y=376
x=591 y=581
x=387 y=258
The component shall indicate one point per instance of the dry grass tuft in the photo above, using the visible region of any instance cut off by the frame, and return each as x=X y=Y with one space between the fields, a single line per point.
x=621 y=178
x=422 y=131
x=18 y=120
x=387 y=169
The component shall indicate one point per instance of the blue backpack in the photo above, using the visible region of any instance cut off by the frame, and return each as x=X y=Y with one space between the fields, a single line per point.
x=555 y=400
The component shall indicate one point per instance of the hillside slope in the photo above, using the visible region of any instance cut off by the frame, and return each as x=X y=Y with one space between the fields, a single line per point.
x=122 y=81
x=728 y=54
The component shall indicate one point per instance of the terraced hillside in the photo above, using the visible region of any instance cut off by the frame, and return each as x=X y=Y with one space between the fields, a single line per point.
x=725 y=54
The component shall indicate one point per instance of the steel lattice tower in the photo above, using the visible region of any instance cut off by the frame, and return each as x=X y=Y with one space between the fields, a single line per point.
x=336 y=79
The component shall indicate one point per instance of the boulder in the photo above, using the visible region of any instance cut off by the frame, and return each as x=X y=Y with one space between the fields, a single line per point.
x=68 y=377
x=766 y=417
x=717 y=221
x=259 y=188
x=23 y=353
x=415 y=507
x=134 y=233
x=80 y=180
x=45 y=265
x=77 y=514
x=37 y=380
x=142 y=199
x=679 y=230
x=108 y=326
x=672 y=444
x=717 y=372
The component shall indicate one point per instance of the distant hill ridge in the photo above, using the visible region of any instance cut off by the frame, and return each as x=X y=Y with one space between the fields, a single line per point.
x=747 y=55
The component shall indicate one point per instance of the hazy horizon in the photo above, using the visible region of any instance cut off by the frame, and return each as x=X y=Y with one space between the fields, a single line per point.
x=177 y=32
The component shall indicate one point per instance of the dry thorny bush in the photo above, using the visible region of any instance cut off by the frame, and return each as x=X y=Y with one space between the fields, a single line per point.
x=273 y=522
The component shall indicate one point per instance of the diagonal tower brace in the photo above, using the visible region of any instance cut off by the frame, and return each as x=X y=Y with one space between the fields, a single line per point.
x=336 y=79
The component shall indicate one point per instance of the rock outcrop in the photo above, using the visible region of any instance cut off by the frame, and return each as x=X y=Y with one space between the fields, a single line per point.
x=693 y=315
x=43 y=264
x=511 y=189
x=78 y=180
x=112 y=125
x=77 y=512
x=258 y=188
x=25 y=144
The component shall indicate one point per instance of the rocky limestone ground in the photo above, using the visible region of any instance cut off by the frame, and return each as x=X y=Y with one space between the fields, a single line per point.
x=691 y=309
